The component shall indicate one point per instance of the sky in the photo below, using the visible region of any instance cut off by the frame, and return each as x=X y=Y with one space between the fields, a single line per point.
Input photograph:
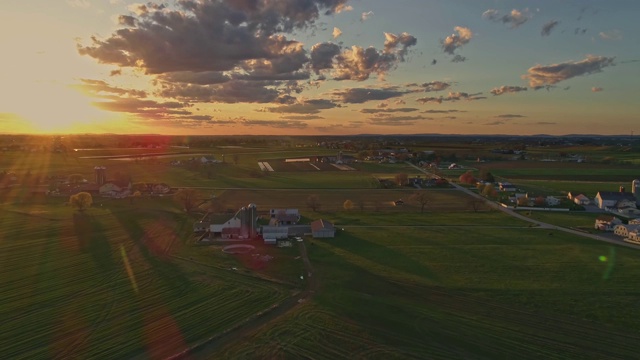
x=313 y=67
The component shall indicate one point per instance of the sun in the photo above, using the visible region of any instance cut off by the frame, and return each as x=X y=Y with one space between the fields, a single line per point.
x=52 y=107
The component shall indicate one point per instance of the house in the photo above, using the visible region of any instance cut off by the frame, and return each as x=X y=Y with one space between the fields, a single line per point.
x=607 y=199
x=634 y=235
x=623 y=230
x=209 y=159
x=113 y=189
x=284 y=216
x=552 y=201
x=201 y=226
x=634 y=221
x=606 y=222
x=322 y=229
x=581 y=200
x=571 y=195
x=505 y=186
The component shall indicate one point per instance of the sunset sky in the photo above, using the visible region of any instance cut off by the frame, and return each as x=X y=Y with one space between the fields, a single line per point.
x=320 y=66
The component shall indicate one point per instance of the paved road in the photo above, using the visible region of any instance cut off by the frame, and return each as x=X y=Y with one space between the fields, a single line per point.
x=540 y=224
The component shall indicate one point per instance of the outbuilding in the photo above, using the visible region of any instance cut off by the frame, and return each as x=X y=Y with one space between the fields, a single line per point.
x=322 y=229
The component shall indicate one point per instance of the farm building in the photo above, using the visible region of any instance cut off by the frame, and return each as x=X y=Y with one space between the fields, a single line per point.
x=322 y=229
x=505 y=186
x=284 y=216
x=552 y=201
x=606 y=222
x=623 y=230
x=271 y=234
x=243 y=225
x=201 y=226
x=607 y=199
x=581 y=200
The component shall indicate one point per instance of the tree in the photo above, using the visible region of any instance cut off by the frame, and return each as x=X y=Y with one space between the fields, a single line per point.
x=489 y=190
x=467 y=178
x=348 y=205
x=422 y=198
x=475 y=204
x=81 y=200
x=486 y=176
x=522 y=201
x=402 y=179
x=313 y=202
x=187 y=198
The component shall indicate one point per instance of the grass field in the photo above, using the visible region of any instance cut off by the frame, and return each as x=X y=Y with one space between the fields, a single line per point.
x=442 y=294
x=110 y=284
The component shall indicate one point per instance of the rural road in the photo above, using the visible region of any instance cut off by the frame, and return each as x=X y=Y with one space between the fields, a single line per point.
x=540 y=224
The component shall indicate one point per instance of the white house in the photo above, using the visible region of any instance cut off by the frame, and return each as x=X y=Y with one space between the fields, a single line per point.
x=607 y=199
x=552 y=201
x=209 y=159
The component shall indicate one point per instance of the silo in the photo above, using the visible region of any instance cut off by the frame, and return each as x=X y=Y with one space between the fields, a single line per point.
x=252 y=214
x=101 y=174
x=635 y=189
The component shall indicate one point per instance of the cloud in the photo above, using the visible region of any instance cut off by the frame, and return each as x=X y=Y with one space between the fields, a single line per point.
x=514 y=19
x=209 y=35
x=301 y=117
x=455 y=41
x=495 y=123
x=231 y=92
x=366 y=16
x=278 y=124
x=613 y=35
x=127 y=20
x=145 y=108
x=322 y=55
x=358 y=63
x=509 y=116
x=101 y=88
x=435 y=86
x=453 y=96
x=392 y=120
x=441 y=111
x=597 y=89
x=458 y=58
x=544 y=123
x=343 y=8
x=540 y=75
x=199 y=78
x=83 y=4
x=336 y=32
x=304 y=107
x=362 y=95
x=394 y=110
x=404 y=40
x=548 y=27
x=507 y=90
x=115 y=72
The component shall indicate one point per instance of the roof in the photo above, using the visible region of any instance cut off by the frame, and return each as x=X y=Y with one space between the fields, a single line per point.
x=321 y=224
x=616 y=195
x=606 y=218
x=287 y=217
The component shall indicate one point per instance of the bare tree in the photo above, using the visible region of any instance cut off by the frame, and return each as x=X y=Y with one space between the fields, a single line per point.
x=475 y=204
x=187 y=198
x=313 y=202
x=422 y=198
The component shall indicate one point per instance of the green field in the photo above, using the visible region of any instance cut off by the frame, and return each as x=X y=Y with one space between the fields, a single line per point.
x=111 y=283
x=448 y=293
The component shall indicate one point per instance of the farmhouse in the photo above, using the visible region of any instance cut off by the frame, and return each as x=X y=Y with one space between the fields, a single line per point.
x=608 y=199
x=581 y=200
x=209 y=159
x=322 y=229
x=552 y=201
x=284 y=216
x=606 y=222
x=505 y=186
x=623 y=230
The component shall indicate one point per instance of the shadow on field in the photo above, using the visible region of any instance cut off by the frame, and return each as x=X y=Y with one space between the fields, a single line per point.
x=91 y=239
x=168 y=272
x=383 y=255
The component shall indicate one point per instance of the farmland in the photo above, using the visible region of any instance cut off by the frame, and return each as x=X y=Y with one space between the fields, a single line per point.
x=127 y=279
